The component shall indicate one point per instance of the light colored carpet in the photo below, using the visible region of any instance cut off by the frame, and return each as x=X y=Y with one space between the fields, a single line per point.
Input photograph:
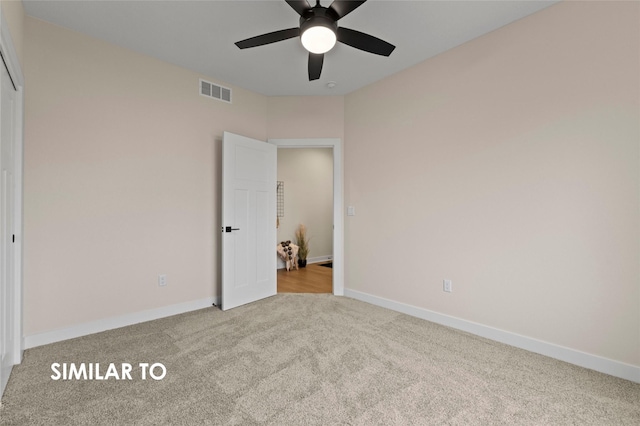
x=297 y=359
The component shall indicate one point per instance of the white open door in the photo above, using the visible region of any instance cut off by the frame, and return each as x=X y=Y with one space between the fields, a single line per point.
x=248 y=220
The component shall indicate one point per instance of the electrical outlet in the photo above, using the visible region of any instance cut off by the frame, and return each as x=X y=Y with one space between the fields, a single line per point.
x=447 y=286
x=162 y=280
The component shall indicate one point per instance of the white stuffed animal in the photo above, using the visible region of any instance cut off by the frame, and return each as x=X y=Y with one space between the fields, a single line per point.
x=288 y=252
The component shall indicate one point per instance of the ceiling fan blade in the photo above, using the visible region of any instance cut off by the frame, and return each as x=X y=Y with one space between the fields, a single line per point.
x=365 y=42
x=299 y=6
x=269 y=38
x=315 y=65
x=343 y=7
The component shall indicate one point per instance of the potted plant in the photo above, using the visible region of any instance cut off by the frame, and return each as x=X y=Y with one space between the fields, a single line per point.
x=303 y=245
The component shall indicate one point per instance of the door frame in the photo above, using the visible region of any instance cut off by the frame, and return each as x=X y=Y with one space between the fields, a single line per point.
x=10 y=58
x=338 y=200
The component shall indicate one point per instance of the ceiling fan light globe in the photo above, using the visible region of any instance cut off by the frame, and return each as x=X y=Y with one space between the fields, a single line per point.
x=318 y=39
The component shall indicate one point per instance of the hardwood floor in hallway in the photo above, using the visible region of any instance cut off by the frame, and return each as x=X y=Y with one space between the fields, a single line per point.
x=311 y=279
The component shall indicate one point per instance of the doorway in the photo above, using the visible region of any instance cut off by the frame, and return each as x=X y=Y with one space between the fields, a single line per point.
x=305 y=199
x=317 y=274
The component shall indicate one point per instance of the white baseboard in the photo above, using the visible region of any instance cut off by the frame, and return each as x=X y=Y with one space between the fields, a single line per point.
x=317 y=259
x=572 y=356
x=115 y=322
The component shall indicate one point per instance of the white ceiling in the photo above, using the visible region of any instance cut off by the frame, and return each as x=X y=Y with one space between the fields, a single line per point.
x=200 y=36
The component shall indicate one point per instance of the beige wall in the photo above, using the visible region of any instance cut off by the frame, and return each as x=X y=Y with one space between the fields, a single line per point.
x=308 y=196
x=13 y=12
x=122 y=176
x=121 y=179
x=291 y=117
x=509 y=165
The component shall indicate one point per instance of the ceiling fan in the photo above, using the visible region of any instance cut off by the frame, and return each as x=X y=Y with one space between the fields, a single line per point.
x=319 y=32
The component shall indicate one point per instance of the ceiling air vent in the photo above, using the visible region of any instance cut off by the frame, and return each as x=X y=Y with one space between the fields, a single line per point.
x=215 y=91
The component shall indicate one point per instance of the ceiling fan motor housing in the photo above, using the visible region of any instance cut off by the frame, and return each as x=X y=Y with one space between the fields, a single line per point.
x=318 y=16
